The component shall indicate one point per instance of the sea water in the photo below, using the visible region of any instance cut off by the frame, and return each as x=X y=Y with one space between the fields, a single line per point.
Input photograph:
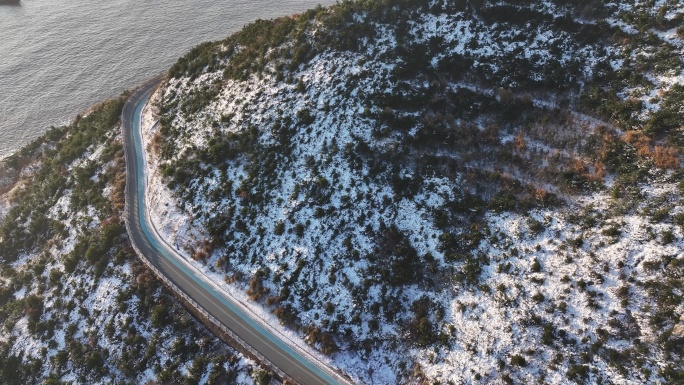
x=58 y=57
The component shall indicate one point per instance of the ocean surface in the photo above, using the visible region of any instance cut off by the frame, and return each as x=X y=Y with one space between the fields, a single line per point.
x=58 y=57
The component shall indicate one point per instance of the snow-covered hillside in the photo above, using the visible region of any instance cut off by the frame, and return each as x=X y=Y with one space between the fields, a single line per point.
x=76 y=305
x=460 y=192
x=425 y=191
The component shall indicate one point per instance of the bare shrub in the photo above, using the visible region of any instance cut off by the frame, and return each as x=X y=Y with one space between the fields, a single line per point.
x=202 y=251
x=666 y=157
x=256 y=288
x=640 y=141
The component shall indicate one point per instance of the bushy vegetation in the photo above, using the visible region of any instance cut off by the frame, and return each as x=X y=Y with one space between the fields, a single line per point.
x=72 y=194
x=26 y=227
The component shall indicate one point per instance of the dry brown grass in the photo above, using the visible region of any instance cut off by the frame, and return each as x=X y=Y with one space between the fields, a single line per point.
x=599 y=170
x=540 y=193
x=520 y=143
x=663 y=156
x=591 y=171
x=256 y=289
x=641 y=142
x=156 y=143
x=666 y=157
x=202 y=250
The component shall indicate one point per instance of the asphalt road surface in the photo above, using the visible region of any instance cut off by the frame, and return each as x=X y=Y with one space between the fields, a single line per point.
x=277 y=351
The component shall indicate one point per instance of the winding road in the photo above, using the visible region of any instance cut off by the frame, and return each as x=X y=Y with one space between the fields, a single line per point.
x=221 y=309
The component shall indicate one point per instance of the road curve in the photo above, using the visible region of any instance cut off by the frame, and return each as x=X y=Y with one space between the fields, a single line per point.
x=220 y=308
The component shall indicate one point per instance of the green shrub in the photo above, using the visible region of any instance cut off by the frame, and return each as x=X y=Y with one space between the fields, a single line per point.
x=538 y=297
x=262 y=377
x=536 y=266
x=518 y=360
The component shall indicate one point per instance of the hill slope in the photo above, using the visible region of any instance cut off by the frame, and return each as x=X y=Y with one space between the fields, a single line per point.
x=452 y=191
x=77 y=306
